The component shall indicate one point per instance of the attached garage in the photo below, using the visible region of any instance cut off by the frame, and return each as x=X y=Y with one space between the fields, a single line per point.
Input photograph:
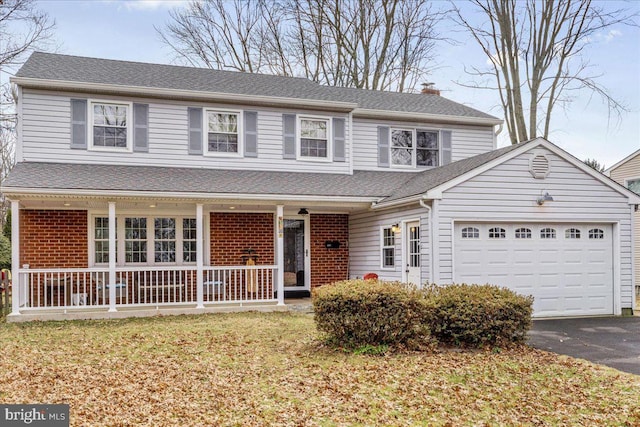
x=567 y=267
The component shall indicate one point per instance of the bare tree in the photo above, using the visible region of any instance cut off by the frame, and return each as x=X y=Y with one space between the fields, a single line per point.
x=23 y=28
x=537 y=51
x=373 y=44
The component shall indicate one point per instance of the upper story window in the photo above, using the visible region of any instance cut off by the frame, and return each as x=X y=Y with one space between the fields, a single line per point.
x=410 y=147
x=223 y=132
x=314 y=138
x=634 y=185
x=110 y=125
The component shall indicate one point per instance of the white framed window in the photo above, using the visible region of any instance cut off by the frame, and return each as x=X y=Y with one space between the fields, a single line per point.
x=596 y=233
x=633 y=185
x=314 y=142
x=387 y=248
x=415 y=147
x=497 y=233
x=223 y=132
x=110 y=125
x=548 y=233
x=523 y=233
x=572 y=233
x=145 y=240
x=470 y=233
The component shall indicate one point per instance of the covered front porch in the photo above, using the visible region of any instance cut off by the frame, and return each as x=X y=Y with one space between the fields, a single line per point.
x=97 y=257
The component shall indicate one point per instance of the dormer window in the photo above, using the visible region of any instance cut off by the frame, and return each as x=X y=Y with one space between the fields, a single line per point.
x=110 y=126
x=223 y=132
x=414 y=147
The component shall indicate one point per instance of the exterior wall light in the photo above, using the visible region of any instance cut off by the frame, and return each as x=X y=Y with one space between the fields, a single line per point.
x=395 y=228
x=546 y=197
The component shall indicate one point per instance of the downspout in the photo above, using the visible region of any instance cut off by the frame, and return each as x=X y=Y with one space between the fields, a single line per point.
x=430 y=228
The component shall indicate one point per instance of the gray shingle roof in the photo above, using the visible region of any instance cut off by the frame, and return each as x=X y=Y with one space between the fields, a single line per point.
x=389 y=186
x=49 y=66
x=206 y=181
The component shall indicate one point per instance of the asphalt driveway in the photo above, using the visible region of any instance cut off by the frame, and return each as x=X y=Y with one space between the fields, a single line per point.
x=610 y=341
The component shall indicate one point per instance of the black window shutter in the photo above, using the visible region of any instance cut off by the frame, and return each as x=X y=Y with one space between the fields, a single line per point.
x=195 y=130
x=383 y=146
x=250 y=134
x=141 y=127
x=339 y=140
x=445 y=146
x=79 y=124
x=288 y=136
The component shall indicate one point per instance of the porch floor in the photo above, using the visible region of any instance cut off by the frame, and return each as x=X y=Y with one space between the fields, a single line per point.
x=298 y=305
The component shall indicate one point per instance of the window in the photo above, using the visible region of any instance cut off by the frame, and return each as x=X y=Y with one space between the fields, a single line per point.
x=523 y=233
x=223 y=135
x=101 y=238
x=388 y=248
x=497 y=233
x=548 y=233
x=425 y=151
x=165 y=239
x=470 y=233
x=110 y=125
x=596 y=233
x=572 y=233
x=135 y=240
x=314 y=140
x=161 y=240
x=189 y=240
x=634 y=185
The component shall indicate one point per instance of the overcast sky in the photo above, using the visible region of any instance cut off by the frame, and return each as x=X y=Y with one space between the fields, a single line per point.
x=125 y=30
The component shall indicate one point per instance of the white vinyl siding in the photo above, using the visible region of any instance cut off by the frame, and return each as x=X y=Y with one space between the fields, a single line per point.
x=466 y=141
x=365 y=242
x=508 y=192
x=47 y=133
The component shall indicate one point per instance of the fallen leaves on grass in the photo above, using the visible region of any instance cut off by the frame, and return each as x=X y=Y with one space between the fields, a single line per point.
x=269 y=369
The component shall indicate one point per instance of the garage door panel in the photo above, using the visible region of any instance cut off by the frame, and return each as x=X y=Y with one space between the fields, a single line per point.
x=567 y=275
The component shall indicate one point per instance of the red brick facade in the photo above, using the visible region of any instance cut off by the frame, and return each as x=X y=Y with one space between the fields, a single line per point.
x=329 y=265
x=53 y=239
x=233 y=233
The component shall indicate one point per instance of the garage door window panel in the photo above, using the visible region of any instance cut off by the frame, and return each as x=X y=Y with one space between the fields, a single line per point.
x=572 y=233
x=523 y=233
x=470 y=233
x=497 y=233
x=548 y=233
x=596 y=233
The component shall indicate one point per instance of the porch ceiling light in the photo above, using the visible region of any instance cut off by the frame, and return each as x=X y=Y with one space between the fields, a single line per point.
x=152 y=205
x=66 y=204
x=303 y=211
x=395 y=228
x=546 y=197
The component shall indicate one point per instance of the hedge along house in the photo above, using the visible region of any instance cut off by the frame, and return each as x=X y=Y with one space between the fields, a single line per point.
x=145 y=187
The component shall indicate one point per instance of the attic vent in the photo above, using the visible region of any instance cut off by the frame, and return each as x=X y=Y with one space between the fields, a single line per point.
x=539 y=166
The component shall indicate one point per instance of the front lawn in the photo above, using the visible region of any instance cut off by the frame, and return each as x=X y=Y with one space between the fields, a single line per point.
x=269 y=369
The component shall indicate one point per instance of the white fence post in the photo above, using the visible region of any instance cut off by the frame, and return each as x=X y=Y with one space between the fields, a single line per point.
x=199 y=256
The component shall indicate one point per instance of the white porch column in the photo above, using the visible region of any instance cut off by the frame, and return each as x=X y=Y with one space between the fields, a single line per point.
x=280 y=252
x=199 y=256
x=16 y=285
x=112 y=256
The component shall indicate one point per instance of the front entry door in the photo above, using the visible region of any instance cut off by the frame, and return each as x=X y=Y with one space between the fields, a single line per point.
x=412 y=248
x=296 y=256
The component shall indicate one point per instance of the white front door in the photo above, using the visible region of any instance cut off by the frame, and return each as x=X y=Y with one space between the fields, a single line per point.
x=296 y=254
x=412 y=249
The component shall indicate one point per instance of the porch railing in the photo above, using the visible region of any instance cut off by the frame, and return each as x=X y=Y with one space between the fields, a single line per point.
x=144 y=286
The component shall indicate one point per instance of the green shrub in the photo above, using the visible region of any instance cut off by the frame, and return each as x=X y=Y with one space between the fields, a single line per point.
x=477 y=315
x=360 y=313
x=5 y=252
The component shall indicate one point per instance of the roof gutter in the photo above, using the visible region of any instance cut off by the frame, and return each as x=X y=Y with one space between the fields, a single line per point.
x=181 y=93
x=393 y=203
x=425 y=117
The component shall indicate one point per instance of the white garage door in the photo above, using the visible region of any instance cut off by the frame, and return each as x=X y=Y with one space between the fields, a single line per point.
x=568 y=268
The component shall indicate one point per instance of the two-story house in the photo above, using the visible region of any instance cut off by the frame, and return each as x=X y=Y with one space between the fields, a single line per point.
x=145 y=186
x=627 y=173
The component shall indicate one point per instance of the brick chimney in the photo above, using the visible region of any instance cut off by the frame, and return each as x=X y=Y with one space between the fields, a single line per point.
x=429 y=89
